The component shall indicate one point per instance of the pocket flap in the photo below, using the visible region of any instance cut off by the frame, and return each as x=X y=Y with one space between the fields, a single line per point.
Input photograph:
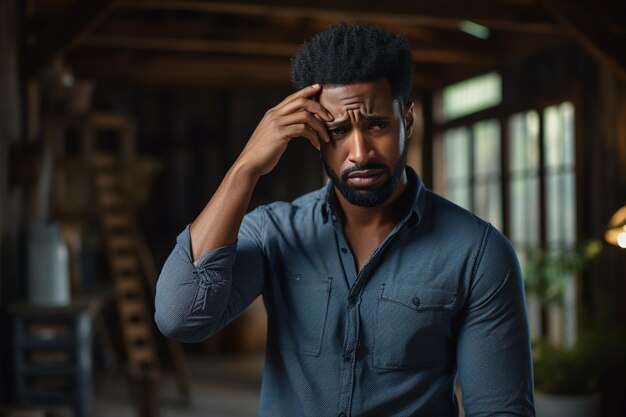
x=418 y=298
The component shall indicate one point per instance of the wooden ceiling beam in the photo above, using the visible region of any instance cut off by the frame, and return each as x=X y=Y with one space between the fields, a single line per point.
x=592 y=32
x=176 y=70
x=495 y=15
x=164 y=69
x=280 y=49
x=462 y=56
x=62 y=33
x=271 y=31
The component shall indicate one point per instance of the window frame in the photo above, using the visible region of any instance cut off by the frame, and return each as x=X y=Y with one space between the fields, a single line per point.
x=503 y=113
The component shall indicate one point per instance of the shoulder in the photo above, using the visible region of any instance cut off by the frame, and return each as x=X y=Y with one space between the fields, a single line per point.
x=461 y=232
x=452 y=221
x=307 y=205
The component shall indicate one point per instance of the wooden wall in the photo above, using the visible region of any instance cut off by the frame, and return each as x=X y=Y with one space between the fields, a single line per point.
x=605 y=282
x=10 y=198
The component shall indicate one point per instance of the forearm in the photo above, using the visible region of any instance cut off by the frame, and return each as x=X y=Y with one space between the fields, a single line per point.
x=219 y=222
x=190 y=303
x=194 y=288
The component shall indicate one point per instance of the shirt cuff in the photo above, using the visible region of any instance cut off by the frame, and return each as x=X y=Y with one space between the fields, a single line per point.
x=222 y=257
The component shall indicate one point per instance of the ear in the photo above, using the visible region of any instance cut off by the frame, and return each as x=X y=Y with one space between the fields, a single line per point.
x=409 y=118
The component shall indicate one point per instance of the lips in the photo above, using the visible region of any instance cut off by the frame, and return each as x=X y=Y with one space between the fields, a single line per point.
x=365 y=177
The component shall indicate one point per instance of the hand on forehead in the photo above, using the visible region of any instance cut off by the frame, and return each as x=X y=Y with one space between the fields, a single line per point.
x=355 y=100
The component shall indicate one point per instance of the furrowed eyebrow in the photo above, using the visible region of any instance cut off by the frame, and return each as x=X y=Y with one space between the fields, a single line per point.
x=374 y=118
x=337 y=123
x=365 y=116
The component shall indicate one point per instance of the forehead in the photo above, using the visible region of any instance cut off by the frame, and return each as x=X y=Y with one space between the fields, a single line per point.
x=369 y=97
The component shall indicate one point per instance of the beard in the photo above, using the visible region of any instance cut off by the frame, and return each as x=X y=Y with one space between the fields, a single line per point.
x=369 y=197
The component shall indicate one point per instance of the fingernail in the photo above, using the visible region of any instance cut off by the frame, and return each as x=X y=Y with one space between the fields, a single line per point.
x=330 y=116
x=315 y=86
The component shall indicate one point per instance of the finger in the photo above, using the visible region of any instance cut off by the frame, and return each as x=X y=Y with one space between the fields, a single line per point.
x=310 y=120
x=305 y=131
x=305 y=92
x=305 y=104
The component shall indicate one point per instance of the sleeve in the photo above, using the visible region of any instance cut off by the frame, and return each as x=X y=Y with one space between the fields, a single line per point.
x=193 y=303
x=493 y=351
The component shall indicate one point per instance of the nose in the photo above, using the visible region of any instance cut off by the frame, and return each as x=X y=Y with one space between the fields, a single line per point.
x=361 y=150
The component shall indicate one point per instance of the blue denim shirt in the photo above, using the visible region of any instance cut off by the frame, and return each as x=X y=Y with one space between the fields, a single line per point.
x=441 y=295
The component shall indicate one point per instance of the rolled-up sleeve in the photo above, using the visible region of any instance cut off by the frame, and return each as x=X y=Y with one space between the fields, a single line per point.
x=493 y=351
x=194 y=302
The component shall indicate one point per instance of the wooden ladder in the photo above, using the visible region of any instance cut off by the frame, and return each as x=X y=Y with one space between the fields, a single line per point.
x=119 y=233
x=131 y=266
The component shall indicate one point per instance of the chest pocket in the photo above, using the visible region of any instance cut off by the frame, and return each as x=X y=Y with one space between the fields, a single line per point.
x=302 y=313
x=412 y=327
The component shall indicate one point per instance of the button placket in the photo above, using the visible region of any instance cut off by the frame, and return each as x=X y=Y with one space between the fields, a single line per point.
x=349 y=355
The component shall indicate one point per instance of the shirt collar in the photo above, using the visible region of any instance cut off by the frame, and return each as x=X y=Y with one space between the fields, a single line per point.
x=415 y=184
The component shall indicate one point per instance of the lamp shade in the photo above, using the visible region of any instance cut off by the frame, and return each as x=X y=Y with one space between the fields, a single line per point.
x=616 y=229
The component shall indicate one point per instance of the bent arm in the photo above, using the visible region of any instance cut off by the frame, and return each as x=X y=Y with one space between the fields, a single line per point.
x=493 y=351
x=201 y=287
x=296 y=116
x=194 y=301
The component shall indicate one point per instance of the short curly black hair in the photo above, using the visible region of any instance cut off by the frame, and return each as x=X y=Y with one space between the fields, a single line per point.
x=348 y=54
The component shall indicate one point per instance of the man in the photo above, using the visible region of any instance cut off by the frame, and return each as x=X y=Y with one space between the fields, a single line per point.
x=378 y=291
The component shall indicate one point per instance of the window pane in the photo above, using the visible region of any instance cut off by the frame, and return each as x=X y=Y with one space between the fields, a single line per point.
x=566 y=111
x=559 y=135
x=524 y=209
x=524 y=136
x=457 y=157
x=457 y=151
x=561 y=209
x=472 y=95
x=487 y=168
x=460 y=195
x=487 y=148
x=524 y=179
x=488 y=202
x=560 y=175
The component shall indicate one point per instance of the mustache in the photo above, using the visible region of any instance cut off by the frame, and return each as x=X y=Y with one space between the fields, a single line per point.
x=369 y=165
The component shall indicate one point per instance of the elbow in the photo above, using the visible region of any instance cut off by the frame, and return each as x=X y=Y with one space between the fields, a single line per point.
x=184 y=329
x=169 y=326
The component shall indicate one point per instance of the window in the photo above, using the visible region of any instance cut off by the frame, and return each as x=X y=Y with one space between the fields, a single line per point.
x=469 y=96
x=472 y=174
x=517 y=171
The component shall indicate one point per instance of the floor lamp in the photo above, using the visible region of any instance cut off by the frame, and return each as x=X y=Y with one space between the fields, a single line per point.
x=616 y=229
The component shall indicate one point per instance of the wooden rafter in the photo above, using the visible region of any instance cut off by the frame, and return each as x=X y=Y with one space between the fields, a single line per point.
x=495 y=15
x=61 y=34
x=180 y=70
x=190 y=45
x=429 y=54
x=592 y=32
x=176 y=69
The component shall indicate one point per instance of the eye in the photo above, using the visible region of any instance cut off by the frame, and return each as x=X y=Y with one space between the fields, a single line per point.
x=337 y=132
x=380 y=125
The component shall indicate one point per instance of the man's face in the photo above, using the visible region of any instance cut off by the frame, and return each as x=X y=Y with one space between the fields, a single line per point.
x=366 y=156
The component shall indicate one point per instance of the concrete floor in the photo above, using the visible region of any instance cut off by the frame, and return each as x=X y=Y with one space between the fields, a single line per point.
x=224 y=387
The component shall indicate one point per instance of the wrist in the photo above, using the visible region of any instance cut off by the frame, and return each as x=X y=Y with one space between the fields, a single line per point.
x=243 y=171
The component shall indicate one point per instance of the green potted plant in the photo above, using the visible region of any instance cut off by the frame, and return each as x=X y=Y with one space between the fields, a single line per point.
x=566 y=379
x=546 y=270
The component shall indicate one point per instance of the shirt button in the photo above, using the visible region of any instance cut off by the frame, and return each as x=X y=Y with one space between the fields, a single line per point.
x=416 y=302
x=348 y=357
x=344 y=250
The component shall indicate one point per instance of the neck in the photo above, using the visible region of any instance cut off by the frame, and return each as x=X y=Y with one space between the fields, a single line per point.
x=388 y=213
